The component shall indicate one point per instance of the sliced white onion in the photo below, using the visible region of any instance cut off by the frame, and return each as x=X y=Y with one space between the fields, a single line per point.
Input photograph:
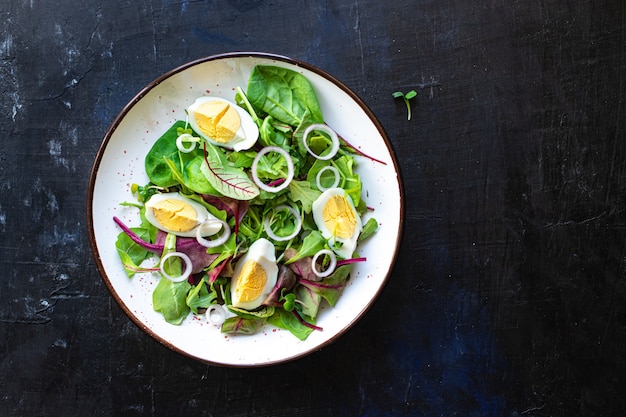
x=333 y=138
x=331 y=267
x=186 y=137
x=186 y=272
x=255 y=165
x=216 y=314
x=202 y=231
x=268 y=227
x=319 y=176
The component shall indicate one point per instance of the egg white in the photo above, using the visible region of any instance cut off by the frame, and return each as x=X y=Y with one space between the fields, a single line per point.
x=262 y=252
x=245 y=137
x=202 y=215
x=347 y=245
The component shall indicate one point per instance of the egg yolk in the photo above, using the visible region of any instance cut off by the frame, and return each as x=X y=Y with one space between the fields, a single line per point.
x=218 y=120
x=175 y=215
x=339 y=217
x=251 y=281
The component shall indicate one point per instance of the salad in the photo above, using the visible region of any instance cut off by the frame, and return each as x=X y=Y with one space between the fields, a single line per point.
x=253 y=210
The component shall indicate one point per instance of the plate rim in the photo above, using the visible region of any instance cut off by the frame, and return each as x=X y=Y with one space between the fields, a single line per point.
x=137 y=98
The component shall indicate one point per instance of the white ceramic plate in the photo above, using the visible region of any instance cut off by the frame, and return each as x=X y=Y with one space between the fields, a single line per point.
x=120 y=162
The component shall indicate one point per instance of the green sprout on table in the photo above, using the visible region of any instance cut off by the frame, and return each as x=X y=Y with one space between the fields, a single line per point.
x=406 y=97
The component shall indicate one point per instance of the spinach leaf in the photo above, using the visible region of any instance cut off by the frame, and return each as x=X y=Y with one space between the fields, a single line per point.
x=164 y=149
x=283 y=94
x=192 y=174
x=368 y=229
x=166 y=166
x=170 y=298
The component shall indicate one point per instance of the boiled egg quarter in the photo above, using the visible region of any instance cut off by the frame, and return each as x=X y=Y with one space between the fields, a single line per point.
x=338 y=221
x=223 y=123
x=254 y=276
x=179 y=215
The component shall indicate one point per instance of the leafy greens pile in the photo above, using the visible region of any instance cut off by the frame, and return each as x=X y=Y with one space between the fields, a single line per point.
x=282 y=104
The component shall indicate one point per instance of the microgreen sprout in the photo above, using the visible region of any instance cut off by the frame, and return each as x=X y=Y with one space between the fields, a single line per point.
x=289 y=301
x=406 y=97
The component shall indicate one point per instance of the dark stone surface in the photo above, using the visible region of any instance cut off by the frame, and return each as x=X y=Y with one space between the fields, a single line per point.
x=508 y=296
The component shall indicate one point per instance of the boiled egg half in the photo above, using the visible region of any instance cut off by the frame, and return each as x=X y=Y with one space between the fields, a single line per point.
x=179 y=215
x=223 y=123
x=254 y=276
x=338 y=221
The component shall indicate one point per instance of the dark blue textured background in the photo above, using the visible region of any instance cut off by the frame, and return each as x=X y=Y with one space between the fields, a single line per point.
x=508 y=296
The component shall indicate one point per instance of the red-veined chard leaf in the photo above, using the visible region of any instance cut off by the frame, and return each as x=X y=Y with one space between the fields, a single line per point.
x=309 y=300
x=131 y=253
x=330 y=288
x=228 y=181
x=240 y=325
x=292 y=321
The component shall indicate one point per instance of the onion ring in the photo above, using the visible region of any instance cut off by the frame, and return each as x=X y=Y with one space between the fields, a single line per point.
x=333 y=138
x=268 y=227
x=180 y=144
x=213 y=243
x=255 y=165
x=319 y=175
x=331 y=267
x=186 y=272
